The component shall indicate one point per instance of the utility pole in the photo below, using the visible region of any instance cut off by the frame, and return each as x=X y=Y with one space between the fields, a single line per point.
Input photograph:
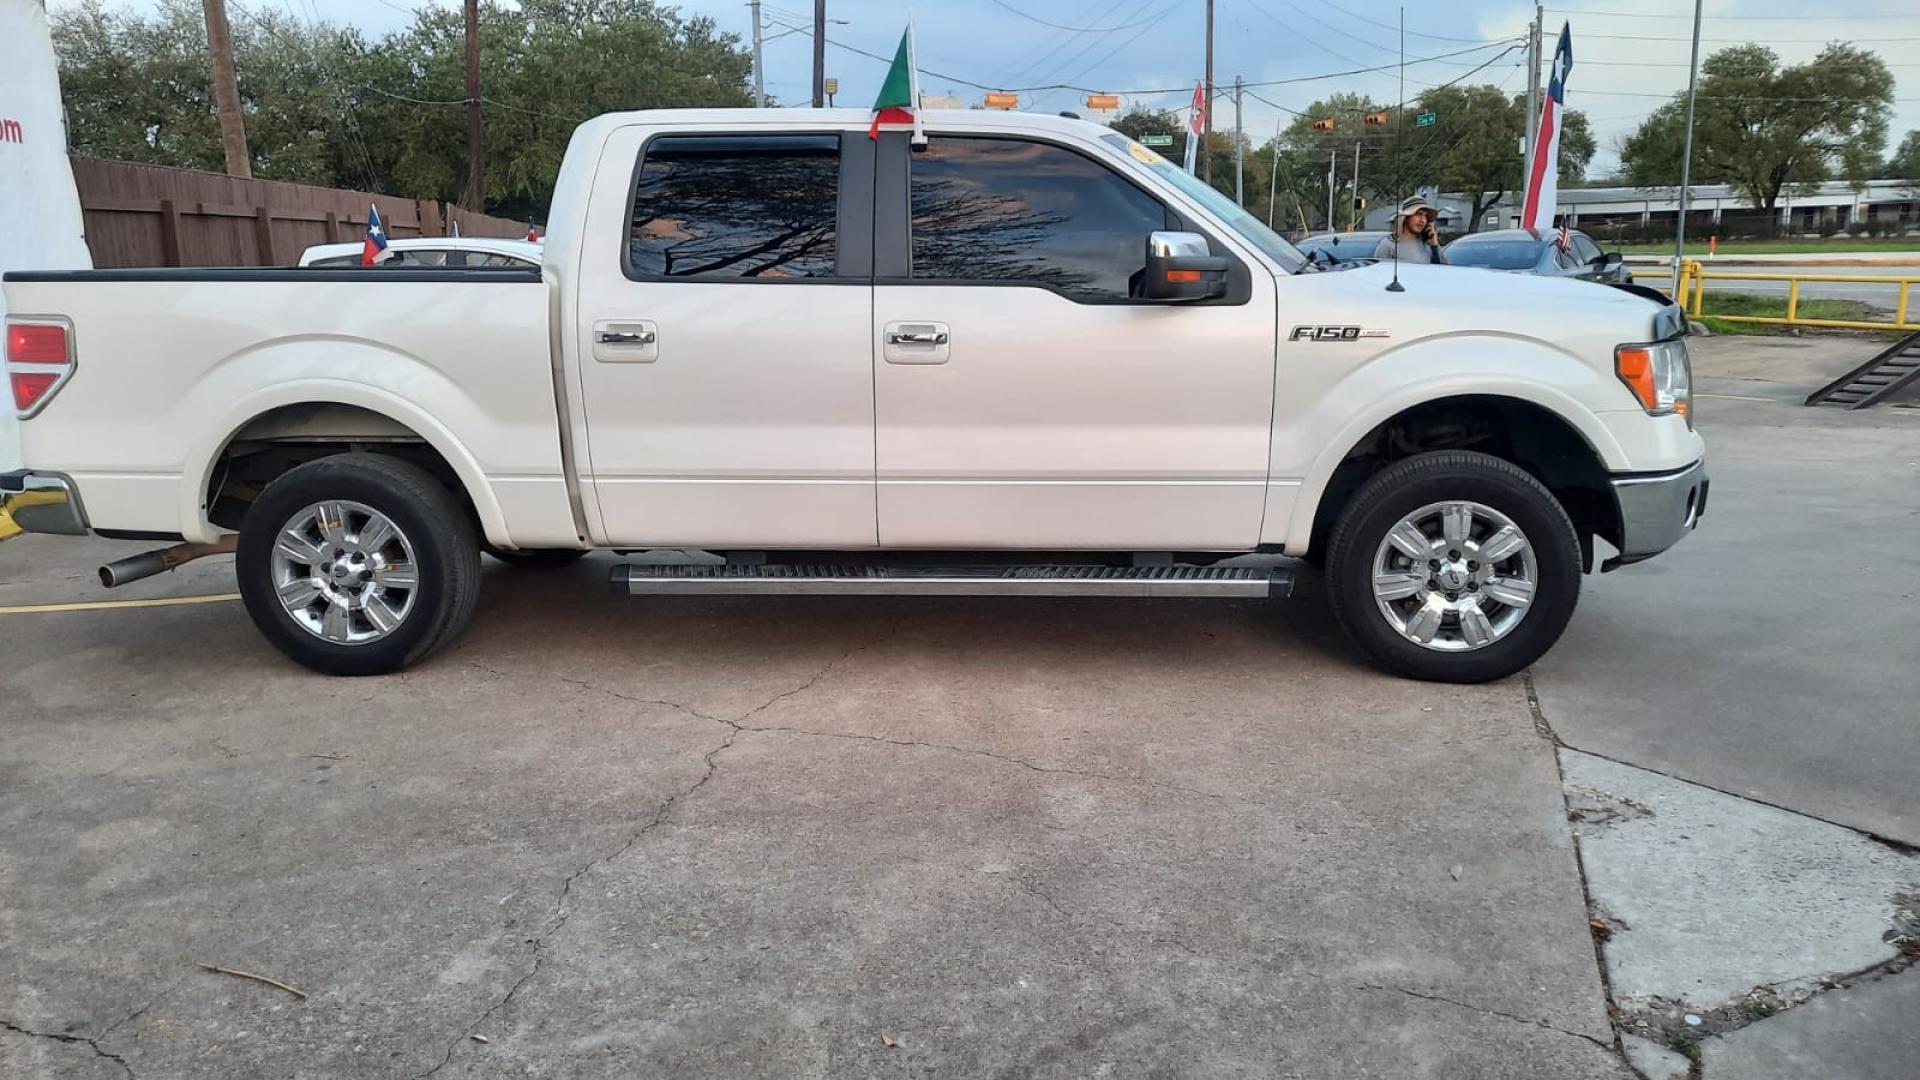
x=226 y=91
x=1239 y=147
x=1532 y=134
x=1686 y=157
x=1206 y=125
x=1273 y=178
x=820 y=54
x=1355 y=212
x=476 y=150
x=1333 y=156
x=759 y=64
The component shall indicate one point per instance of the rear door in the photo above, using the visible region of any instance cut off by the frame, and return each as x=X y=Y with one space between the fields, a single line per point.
x=1026 y=396
x=727 y=371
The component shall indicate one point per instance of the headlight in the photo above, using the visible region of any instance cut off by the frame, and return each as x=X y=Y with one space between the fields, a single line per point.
x=1659 y=374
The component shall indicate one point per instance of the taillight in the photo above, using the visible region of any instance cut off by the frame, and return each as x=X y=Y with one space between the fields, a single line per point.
x=39 y=359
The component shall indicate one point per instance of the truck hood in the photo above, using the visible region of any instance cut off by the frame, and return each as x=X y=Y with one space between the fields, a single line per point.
x=1581 y=318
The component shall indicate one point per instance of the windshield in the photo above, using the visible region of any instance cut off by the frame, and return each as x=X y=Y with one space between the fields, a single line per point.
x=1251 y=229
x=1496 y=254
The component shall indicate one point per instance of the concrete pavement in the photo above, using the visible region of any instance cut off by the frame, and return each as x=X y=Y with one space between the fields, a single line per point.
x=1771 y=653
x=774 y=837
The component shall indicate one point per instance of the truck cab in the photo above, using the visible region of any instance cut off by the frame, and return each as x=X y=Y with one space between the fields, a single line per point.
x=1024 y=354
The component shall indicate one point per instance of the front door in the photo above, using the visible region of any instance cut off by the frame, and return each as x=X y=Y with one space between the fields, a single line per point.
x=1025 y=396
x=727 y=374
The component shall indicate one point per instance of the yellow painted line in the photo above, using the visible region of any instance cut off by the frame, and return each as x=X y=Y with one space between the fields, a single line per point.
x=108 y=605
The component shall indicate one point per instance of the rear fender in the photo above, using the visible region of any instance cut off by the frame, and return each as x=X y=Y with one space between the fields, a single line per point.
x=361 y=373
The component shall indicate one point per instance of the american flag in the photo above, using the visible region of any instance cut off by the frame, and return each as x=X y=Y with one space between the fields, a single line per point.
x=1561 y=238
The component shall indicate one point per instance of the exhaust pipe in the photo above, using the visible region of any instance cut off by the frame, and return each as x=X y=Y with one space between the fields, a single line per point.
x=149 y=563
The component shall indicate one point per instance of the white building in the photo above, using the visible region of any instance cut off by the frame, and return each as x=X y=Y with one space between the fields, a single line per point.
x=1595 y=209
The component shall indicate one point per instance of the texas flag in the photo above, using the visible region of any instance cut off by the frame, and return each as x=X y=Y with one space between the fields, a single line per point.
x=1543 y=172
x=1196 y=124
x=375 y=247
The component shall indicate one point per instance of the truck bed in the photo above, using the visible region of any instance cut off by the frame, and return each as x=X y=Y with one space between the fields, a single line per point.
x=172 y=363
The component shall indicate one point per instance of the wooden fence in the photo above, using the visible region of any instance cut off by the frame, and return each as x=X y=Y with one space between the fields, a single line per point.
x=151 y=215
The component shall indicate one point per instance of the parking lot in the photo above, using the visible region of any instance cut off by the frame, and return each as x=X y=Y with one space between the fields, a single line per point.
x=811 y=837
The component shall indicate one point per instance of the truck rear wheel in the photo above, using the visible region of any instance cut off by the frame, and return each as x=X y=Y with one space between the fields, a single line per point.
x=1454 y=567
x=358 y=564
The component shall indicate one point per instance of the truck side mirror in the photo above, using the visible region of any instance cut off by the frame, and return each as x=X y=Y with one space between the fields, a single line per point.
x=1180 y=267
x=1610 y=260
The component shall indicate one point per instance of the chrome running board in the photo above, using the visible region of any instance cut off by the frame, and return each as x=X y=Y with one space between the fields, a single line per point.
x=856 y=580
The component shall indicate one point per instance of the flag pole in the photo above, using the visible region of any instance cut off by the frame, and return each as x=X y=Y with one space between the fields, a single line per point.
x=1686 y=156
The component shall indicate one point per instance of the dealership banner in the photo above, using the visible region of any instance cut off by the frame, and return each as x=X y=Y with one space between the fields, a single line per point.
x=40 y=224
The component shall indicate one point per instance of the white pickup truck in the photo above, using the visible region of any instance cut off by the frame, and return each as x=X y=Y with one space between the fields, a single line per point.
x=1027 y=357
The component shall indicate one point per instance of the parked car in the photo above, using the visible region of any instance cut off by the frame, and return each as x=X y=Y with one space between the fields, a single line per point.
x=432 y=251
x=852 y=368
x=1336 y=248
x=1538 y=251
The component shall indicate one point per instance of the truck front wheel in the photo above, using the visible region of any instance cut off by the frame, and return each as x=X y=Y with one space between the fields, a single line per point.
x=358 y=564
x=1454 y=567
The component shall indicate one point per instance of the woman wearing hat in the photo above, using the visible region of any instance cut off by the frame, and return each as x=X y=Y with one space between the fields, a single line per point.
x=1413 y=235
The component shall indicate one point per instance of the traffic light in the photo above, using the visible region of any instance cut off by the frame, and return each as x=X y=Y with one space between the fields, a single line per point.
x=1323 y=125
x=1377 y=119
x=1359 y=202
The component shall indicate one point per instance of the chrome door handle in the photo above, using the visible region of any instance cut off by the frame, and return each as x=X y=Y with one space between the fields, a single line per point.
x=917 y=337
x=624 y=337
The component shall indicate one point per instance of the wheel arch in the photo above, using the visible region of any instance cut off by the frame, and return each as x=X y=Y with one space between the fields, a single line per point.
x=1540 y=436
x=328 y=416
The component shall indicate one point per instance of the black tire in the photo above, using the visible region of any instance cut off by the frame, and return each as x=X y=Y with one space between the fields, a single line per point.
x=535 y=558
x=445 y=549
x=1405 y=487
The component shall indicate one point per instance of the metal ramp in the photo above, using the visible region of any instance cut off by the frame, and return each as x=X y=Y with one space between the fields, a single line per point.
x=635 y=579
x=1876 y=380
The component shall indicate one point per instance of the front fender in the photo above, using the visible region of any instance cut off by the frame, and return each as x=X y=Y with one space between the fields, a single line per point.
x=1312 y=440
x=361 y=373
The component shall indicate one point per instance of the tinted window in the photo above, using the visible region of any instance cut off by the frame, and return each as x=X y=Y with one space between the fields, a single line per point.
x=1495 y=254
x=1585 y=248
x=414 y=257
x=758 y=206
x=1566 y=257
x=1011 y=210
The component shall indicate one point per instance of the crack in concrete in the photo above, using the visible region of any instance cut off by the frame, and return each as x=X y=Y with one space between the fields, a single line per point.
x=91 y=1044
x=142 y=1010
x=561 y=912
x=1610 y=1047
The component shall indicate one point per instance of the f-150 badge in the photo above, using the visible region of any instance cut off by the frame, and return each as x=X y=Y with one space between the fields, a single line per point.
x=1334 y=333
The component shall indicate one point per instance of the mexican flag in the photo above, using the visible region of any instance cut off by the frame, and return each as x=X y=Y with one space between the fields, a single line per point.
x=899 y=100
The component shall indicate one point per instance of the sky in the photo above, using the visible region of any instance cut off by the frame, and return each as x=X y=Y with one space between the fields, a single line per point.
x=1629 y=55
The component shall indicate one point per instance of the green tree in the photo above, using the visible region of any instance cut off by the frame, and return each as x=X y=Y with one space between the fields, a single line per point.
x=325 y=106
x=1904 y=162
x=1473 y=147
x=1765 y=129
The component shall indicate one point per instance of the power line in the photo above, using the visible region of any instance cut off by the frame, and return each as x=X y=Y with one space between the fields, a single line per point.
x=1389 y=26
x=1729 y=41
x=1075 y=29
x=1824 y=15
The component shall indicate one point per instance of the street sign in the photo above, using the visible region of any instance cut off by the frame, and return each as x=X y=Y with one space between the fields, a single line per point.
x=997 y=100
x=1156 y=140
x=1103 y=102
x=1425 y=119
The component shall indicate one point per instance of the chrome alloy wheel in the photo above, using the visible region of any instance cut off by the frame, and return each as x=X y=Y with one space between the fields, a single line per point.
x=344 y=572
x=1454 y=576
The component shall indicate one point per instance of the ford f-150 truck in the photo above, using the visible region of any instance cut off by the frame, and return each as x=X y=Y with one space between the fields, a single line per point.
x=1028 y=356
